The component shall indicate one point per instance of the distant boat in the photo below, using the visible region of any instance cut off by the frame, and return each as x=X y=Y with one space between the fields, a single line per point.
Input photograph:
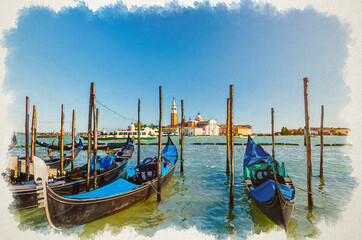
x=14 y=141
x=122 y=135
x=269 y=184
x=243 y=136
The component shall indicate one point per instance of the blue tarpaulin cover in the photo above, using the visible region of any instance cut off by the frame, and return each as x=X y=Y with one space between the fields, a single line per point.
x=102 y=162
x=117 y=187
x=130 y=172
x=170 y=152
x=255 y=154
x=266 y=190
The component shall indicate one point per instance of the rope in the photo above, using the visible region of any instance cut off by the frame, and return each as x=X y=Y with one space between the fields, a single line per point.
x=49 y=144
x=126 y=118
x=53 y=122
x=302 y=188
x=154 y=188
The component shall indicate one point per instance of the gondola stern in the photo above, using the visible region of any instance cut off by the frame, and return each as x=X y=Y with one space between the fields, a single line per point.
x=41 y=182
x=285 y=207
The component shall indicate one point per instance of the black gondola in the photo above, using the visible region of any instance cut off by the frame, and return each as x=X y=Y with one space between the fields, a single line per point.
x=269 y=184
x=73 y=182
x=65 y=212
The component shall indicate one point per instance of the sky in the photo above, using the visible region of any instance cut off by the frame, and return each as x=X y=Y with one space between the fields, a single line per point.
x=193 y=53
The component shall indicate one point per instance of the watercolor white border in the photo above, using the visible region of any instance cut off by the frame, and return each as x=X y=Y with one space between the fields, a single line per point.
x=348 y=13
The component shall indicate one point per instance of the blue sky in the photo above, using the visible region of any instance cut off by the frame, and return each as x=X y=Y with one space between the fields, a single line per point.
x=193 y=53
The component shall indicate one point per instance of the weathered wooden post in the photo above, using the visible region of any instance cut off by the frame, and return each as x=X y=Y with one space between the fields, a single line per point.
x=322 y=128
x=159 y=148
x=73 y=138
x=62 y=142
x=89 y=154
x=272 y=132
x=308 y=147
x=95 y=145
x=228 y=137
x=231 y=146
x=139 y=133
x=33 y=134
x=27 y=138
x=182 y=136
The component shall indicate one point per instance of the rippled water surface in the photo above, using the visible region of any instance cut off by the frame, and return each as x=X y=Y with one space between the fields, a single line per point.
x=200 y=196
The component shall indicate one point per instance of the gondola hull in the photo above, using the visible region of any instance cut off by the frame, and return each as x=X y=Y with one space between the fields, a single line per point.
x=63 y=213
x=278 y=209
x=27 y=198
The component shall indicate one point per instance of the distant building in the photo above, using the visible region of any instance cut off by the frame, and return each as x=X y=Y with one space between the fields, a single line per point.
x=243 y=130
x=209 y=127
x=196 y=127
x=173 y=114
x=193 y=131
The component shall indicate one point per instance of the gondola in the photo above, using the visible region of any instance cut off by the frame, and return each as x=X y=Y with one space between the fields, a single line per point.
x=74 y=182
x=261 y=173
x=65 y=212
x=52 y=162
x=126 y=151
x=85 y=147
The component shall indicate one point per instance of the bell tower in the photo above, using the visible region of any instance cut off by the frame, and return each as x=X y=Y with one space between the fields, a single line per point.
x=173 y=114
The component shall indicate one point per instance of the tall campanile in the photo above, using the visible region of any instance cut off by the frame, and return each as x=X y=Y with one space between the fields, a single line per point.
x=173 y=114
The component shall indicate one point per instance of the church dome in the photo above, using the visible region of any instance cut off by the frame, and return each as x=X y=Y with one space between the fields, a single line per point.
x=198 y=117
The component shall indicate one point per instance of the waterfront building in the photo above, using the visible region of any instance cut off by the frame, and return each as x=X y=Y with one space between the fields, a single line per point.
x=209 y=127
x=195 y=127
x=243 y=130
x=193 y=131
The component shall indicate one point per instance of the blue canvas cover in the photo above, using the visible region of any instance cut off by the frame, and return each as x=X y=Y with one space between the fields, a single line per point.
x=255 y=154
x=117 y=187
x=170 y=152
x=102 y=163
x=266 y=191
x=130 y=172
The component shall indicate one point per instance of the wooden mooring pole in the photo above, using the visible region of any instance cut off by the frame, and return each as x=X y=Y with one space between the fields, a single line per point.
x=321 y=160
x=62 y=142
x=139 y=133
x=228 y=137
x=308 y=145
x=231 y=146
x=89 y=149
x=95 y=145
x=27 y=139
x=182 y=136
x=159 y=148
x=272 y=132
x=33 y=134
x=73 y=138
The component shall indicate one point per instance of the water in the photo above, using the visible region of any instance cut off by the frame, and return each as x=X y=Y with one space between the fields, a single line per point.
x=199 y=197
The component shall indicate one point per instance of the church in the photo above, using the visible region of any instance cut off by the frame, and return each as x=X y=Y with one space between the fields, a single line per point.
x=195 y=127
